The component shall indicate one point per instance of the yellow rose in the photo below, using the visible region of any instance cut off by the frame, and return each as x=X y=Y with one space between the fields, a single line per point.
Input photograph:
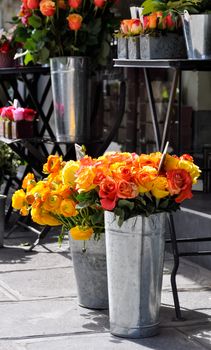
x=144 y=178
x=69 y=173
x=84 y=181
x=19 y=199
x=191 y=168
x=171 y=162
x=67 y=208
x=42 y=217
x=159 y=187
x=79 y=233
x=52 y=202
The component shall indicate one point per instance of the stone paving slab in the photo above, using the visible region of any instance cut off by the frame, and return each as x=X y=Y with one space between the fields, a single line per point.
x=35 y=284
x=199 y=333
x=49 y=317
x=168 y=339
x=17 y=258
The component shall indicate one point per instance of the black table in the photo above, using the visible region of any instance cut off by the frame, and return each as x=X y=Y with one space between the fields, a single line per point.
x=177 y=66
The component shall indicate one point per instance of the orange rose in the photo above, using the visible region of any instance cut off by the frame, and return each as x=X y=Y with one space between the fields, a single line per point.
x=75 y=3
x=74 y=21
x=152 y=21
x=179 y=182
x=145 y=177
x=47 y=8
x=108 y=193
x=126 y=189
x=53 y=164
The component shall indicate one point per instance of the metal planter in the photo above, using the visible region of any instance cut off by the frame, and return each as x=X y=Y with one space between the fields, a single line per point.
x=90 y=272
x=197 y=32
x=122 y=48
x=135 y=254
x=70 y=88
x=166 y=46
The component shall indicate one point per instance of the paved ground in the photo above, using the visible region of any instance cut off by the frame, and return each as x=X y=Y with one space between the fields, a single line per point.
x=38 y=304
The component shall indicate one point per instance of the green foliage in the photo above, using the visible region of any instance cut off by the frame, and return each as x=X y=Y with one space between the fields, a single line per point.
x=45 y=37
x=144 y=204
x=9 y=162
x=192 y=6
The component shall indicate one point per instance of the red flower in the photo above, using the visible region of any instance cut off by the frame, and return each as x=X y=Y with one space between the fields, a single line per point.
x=7 y=112
x=74 y=3
x=5 y=48
x=33 y=4
x=47 y=7
x=179 y=182
x=127 y=189
x=74 y=21
x=170 y=23
x=108 y=193
x=99 y=3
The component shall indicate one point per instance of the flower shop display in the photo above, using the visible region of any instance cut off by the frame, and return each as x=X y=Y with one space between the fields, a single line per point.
x=75 y=37
x=52 y=28
x=17 y=122
x=196 y=23
x=153 y=36
x=135 y=192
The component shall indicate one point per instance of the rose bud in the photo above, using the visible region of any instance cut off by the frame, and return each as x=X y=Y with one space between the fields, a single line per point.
x=29 y=114
x=7 y=112
x=75 y=3
x=33 y=4
x=99 y=3
x=152 y=21
x=170 y=22
x=124 y=26
x=47 y=8
x=74 y=21
x=136 y=26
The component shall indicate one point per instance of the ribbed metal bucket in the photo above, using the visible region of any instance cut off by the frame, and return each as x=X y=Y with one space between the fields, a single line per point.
x=197 y=32
x=69 y=77
x=2 y=218
x=135 y=254
x=90 y=272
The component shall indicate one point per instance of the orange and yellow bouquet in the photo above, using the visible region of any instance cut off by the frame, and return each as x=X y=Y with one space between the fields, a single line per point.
x=75 y=194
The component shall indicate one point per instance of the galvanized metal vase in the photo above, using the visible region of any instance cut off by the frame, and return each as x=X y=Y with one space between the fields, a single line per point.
x=197 y=32
x=69 y=78
x=90 y=272
x=2 y=218
x=135 y=254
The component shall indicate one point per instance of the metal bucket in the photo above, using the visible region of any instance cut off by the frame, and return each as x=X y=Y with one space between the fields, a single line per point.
x=135 y=254
x=90 y=272
x=197 y=32
x=69 y=77
x=2 y=218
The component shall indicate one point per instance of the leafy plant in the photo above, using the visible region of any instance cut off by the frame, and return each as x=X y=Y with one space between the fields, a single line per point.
x=192 y=6
x=65 y=28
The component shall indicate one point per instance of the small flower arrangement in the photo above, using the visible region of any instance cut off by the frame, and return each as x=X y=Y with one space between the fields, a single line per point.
x=17 y=122
x=153 y=23
x=75 y=194
x=52 y=28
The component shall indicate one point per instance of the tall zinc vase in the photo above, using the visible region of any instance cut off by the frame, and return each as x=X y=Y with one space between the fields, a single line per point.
x=135 y=254
x=70 y=89
x=90 y=272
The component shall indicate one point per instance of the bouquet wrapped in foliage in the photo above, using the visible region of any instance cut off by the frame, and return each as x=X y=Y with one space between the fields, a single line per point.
x=65 y=28
x=75 y=194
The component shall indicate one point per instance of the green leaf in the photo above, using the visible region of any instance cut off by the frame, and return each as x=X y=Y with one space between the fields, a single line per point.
x=28 y=58
x=35 y=21
x=44 y=54
x=153 y=6
x=124 y=203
